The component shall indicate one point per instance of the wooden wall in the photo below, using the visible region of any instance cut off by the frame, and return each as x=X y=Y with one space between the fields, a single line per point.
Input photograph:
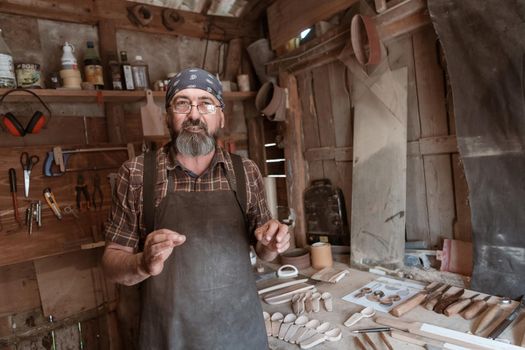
x=48 y=273
x=436 y=203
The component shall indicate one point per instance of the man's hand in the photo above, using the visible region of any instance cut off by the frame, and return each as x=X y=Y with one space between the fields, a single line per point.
x=157 y=248
x=274 y=236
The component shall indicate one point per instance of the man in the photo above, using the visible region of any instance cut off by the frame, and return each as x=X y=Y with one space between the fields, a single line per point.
x=198 y=290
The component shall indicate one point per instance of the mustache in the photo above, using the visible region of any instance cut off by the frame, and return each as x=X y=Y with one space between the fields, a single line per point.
x=192 y=122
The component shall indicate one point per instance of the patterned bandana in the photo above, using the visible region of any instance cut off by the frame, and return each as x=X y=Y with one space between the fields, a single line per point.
x=194 y=78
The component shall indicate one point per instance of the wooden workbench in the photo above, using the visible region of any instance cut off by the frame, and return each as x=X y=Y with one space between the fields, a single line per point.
x=343 y=309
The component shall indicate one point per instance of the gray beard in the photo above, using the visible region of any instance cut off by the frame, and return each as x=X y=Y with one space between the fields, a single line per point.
x=194 y=144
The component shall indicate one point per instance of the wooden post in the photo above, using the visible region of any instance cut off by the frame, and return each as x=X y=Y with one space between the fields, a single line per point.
x=293 y=151
x=113 y=111
x=254 y=124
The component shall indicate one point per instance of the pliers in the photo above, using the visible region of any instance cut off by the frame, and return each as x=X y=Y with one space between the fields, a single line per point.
x=97 y=192
x=81 y=188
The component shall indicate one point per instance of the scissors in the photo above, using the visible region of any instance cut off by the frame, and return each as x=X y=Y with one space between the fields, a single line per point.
x=28 y=162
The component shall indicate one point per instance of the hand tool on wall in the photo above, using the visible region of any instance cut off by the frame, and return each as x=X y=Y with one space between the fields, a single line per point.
x=81 y=189
x=112 y=178
x=12 y=185
x=435 y=297
x=61 y=157
x=359 y=344
x=445 y=302
x=415 y=300
x=28 y=162
x=475 y=308
x=459 y=305
x=97 y=197
x=50 y=200
x=507 y=321
x=492 y=314
x=33 y=213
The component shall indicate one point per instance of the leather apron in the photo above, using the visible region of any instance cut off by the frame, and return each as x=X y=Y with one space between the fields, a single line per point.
x=205 y=297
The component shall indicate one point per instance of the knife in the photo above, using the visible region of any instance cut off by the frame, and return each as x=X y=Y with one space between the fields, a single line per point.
x=459 y=305
x=435 y=297
x=415 y=300
x=510 y=318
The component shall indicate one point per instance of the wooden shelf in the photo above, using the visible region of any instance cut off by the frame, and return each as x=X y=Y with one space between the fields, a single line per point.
x=91 y=96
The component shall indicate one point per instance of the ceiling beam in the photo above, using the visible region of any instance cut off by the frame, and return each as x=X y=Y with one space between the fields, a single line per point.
x=286 y=19
x=190 y=24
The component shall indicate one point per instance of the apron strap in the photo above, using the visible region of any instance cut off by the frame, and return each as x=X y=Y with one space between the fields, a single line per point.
x=240 y=182
x=148 y=190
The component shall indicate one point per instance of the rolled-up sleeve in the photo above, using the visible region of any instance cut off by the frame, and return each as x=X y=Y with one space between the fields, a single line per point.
x=258 y=212
x=124 y=219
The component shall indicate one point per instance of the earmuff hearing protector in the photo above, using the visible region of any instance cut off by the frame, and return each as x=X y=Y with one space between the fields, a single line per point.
x=36 y=123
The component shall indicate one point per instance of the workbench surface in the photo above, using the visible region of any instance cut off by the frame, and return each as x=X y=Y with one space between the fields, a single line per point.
x=343 y=309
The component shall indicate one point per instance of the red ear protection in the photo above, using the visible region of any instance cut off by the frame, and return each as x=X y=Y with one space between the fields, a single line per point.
x=36 y=123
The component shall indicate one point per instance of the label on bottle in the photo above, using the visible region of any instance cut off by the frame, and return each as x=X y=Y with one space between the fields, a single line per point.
x=7 y=71
x=94 y=74
x=128 y=77
x=139 y=77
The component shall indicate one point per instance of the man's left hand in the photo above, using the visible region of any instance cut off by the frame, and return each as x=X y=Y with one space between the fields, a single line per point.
x=274 y=236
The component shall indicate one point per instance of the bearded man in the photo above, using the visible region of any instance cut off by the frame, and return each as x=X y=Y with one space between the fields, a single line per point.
x=181 y=223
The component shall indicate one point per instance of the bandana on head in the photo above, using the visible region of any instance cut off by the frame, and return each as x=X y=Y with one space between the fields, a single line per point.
x=194 y=78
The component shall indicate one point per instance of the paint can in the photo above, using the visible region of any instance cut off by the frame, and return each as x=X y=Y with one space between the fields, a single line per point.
x=28 y=75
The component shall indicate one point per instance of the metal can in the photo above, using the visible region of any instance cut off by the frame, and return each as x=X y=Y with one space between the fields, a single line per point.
x=28 y=75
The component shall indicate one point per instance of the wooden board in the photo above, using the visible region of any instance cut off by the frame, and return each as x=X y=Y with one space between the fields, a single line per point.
x=18 y=288
x=66 y=283
x=287 y=18
x=433 y=118
x=379 y=173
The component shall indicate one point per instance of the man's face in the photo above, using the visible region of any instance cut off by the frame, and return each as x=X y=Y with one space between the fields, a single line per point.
x=194 y=132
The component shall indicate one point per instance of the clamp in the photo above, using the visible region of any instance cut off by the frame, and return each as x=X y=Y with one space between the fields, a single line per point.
x=81 y=189
x=97 y=192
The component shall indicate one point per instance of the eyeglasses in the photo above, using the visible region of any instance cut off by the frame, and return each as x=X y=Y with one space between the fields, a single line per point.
x=184 y=107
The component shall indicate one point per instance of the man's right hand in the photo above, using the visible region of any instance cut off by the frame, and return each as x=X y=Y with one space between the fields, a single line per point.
x=157 y=248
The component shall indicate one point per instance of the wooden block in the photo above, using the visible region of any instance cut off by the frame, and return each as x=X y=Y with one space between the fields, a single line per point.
x=457 y=257
x=66 y=283
x=18 y=288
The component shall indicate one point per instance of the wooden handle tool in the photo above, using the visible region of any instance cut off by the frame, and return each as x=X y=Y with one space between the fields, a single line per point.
x=369 y=341
x=492 y=314
x=523 y=340
x=385 y=340
x=475 y=308
x=359 y=344
x=414 y=301
x=435 y=297
x=459 y=305
x=13 y=189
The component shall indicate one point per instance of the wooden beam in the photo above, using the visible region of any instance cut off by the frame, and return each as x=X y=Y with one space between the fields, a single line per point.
x=206 y=7
x=287 y=18
x=254 y=9
x=295 y=166
x=339 y=154
x=399 y=20
x=191 y=24
x=433 y=145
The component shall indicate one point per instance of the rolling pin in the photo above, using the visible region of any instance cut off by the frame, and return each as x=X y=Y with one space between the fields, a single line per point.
x=414 y=301
x=459 y=305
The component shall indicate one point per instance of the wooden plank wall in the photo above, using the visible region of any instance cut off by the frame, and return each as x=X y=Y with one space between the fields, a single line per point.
x=324 y=93
x=437 y=205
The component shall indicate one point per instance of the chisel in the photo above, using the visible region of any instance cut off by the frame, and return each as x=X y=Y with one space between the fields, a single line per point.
x=492 y=314
x=435 y=297
x=415 y=300
x=459 y=305
x=445 y=302
x=507 y=321
x=12 y=184
x=475 y=308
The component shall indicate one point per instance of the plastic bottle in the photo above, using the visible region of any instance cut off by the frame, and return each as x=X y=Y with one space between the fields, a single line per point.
x=127 y=74
x=93 y=67
x=68 y=60
x=7 y=69
x=140 y=73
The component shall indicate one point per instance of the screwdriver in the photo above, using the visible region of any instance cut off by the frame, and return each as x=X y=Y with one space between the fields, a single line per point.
x=459 y=305
x=475 y=308
x=12 y=183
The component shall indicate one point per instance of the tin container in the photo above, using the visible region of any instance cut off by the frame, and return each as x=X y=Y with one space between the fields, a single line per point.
x=28 y=75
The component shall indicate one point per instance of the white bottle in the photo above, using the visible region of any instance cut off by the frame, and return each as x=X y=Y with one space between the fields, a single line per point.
x=7 y=69
x=140 y=73
x=69 y=60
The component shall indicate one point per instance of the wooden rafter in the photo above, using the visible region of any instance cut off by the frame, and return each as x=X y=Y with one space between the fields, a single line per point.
x=91 y=12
